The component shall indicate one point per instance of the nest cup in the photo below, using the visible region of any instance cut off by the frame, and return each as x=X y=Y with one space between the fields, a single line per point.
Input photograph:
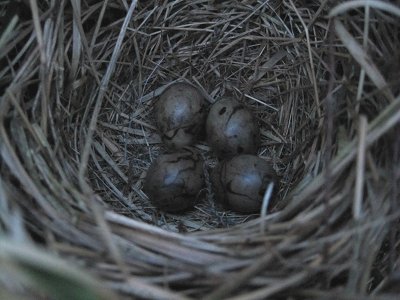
x=78 y=81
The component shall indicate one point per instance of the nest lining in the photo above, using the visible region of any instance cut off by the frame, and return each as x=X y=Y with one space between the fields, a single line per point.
x=211 y=55
x=78 y=186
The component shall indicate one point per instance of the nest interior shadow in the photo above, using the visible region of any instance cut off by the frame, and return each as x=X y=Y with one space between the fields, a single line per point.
x=78 y=81
x=247 y=52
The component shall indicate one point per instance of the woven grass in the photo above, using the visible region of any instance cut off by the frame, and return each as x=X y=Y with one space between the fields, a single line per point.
x=77 y=84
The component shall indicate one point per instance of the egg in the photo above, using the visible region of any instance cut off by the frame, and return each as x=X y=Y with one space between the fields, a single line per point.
x=180 y=114
x=240 y=182
x=173 y=181
x=232 y=129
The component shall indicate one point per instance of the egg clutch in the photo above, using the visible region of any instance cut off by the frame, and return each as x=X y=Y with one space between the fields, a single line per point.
x=175 y=180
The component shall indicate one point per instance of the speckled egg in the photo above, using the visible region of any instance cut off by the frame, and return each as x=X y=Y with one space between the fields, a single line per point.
x=232 y=129
x=241 y=181
x=180 y=114
x=173 y=181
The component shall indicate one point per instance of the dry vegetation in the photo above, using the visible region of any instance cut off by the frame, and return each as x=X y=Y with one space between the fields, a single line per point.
x=77 y=83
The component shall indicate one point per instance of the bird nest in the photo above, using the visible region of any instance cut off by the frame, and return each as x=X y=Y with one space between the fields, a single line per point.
x=78 y=80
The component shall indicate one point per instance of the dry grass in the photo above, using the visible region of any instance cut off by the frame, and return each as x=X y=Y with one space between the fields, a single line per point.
x=77 y=83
